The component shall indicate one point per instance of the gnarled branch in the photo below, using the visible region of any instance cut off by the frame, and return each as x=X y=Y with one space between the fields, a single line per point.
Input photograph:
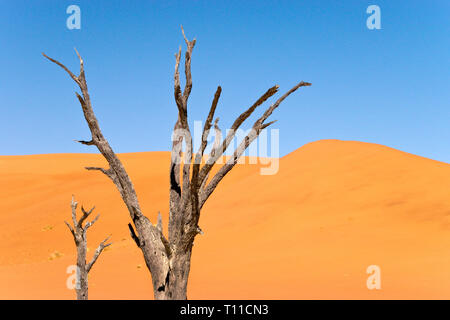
x=205 y=134
x=179 y=194
x=219 y=151
x=258 y=126
x=97 y=253
x=122 y=181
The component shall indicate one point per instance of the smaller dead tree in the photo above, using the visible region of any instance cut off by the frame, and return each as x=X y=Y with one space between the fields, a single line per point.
x=79 y=235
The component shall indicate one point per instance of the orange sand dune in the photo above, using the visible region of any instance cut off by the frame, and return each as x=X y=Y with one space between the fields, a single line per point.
x=308 y=232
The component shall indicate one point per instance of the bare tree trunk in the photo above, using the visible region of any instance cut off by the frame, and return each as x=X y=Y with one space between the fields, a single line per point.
x=79 y=235
x=169 y=259
x=178 y=277
x=82 y=286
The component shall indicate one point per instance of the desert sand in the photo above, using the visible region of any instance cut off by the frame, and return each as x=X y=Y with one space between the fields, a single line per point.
x=308 y=232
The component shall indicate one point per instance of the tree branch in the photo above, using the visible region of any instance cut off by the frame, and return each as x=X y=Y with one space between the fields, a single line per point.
x=205 y=134
x=187 y=69
x=180 y=195
x=258 y=126
x=87 y=143
x=269 y=111
x=177 y=89
x=217 y=152
x=74 y=205
x=85 y=215
x=231 y=162
x=97 y=253
x=74 y=77
x=91 y=223
x=117 y=170
x=70 y=228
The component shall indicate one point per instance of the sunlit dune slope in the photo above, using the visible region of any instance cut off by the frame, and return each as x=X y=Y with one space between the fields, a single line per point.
x=309 y=231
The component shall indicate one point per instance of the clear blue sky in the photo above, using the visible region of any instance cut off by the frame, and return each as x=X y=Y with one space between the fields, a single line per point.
x=388 y=86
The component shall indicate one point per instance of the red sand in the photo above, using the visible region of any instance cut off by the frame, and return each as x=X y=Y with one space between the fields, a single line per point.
x=308 y=232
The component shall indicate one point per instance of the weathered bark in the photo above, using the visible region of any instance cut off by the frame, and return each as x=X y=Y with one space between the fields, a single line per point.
x=168 y=259
x=79 y=235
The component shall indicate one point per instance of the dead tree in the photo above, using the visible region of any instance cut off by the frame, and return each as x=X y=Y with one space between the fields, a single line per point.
x=168 y=258
x=79 y=236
